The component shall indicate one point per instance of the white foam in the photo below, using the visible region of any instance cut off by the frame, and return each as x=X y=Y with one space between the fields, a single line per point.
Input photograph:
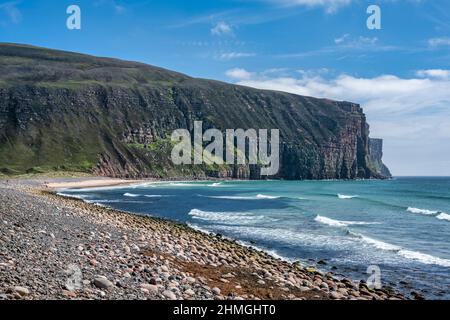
x=231 y=197
x=217 y=184
x=422 y=211
x=271 y=252
x=443 y=216
x=156 y=196
x=241 y=217
x=103 y=201
x=185 y=184
x=131 y=195
x=257 y=197
x=338 y=223
x=77 y=196
x=263 y=196
x=343 y=196
x=286 y=236
x=408 y=254
x=424 y=258
x=198 y=228
x=377 y=243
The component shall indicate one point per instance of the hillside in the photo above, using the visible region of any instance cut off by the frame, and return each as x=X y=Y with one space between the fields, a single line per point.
x=62 y=111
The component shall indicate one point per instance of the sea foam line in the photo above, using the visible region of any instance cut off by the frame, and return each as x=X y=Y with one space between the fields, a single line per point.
x=270 y=252
x=443 y=216
x=422 y=211
x=242 y=217
x=344 y=196
x=438 y=214
x=339 y=223
x=131 y=195
x=257 y=197
x=408 y=254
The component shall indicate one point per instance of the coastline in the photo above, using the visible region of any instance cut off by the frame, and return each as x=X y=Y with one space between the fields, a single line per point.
x=127 y=256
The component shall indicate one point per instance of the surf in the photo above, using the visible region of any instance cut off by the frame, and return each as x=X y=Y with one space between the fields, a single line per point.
x=422 y=211
x=339 y=223
x=405 y=253
x=345 y=197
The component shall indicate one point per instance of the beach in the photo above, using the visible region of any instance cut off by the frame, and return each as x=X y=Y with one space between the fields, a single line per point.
x=53 y=247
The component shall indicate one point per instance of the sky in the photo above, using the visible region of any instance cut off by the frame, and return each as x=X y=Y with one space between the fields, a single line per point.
x=400 y=74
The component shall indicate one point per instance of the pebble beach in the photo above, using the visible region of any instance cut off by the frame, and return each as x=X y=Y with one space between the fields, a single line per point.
x=53 y=247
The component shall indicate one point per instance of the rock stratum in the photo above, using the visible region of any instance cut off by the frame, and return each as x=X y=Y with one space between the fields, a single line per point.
x=63 y=111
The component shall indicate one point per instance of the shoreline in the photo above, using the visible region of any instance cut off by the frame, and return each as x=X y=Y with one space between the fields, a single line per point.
x=174 y=261
x=93 y=184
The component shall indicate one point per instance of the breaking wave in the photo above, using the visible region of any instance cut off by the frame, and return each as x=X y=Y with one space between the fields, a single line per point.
x=405 y=253
x=338 y=223
x=216 y=184
x=131 y=195
x=422 y=211
x=443 y=216
x=224 y=217
x=257 y=197
x=344 y=196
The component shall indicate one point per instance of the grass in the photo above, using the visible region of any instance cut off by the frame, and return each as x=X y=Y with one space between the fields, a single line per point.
x=48 y=175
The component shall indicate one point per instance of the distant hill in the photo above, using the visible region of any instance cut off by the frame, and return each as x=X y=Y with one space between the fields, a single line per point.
x=66 y=111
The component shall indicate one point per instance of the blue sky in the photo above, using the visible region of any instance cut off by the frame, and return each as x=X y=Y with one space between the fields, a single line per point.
x=400 y=74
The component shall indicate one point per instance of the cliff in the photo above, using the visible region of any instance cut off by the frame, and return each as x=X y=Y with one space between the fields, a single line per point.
x=67 y=111
x=376 y=157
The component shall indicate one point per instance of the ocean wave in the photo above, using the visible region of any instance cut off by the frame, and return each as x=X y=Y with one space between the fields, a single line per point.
x=231 y=197
x=339 y=223
x=344 y=196
x=443 y=216
x=196 y=184
x=263 y=196
x=103 y=201
x=285 y=236
x=198 y=228
x=405 y=253
x=422 y=211
x=257 y=197
x=271 y=252
x=224 y=217
x=424 y=258
x=156 y=196
x=76 y=196
x=133 y=195
x=216 y=184
x=376 y=243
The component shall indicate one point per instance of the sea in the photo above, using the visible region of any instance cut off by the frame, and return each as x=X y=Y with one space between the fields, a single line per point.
x=399 y=227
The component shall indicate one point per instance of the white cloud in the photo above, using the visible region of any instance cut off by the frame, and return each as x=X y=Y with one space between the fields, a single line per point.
x=118 y=8
x=221 y=29
x=11 y=10
x=234 y=55
x=359 y=42
x=434 y=73
x=346 y=44
x=411 y=114
x=341 y=39
x=239 y=74
x=438 y=42
x=330 y=6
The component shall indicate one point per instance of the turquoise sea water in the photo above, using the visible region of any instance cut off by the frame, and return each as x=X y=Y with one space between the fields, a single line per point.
x=401 y=225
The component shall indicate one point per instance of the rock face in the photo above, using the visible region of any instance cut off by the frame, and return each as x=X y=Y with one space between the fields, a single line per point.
x=67 y=111
x=376 y=156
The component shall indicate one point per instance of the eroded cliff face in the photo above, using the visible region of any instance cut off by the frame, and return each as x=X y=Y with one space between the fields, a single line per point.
x=376 y=157
x=113 y=118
